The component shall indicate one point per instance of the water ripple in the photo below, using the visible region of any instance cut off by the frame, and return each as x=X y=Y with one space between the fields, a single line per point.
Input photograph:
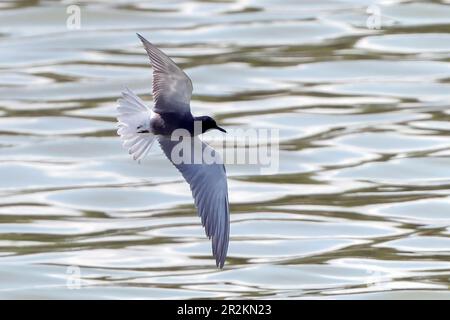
x=358 y=209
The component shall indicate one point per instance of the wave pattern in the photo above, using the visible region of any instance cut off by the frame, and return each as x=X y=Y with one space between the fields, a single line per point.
x=360 y=207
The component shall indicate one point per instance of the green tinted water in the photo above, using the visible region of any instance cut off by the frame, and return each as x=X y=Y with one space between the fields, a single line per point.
x=360 y=207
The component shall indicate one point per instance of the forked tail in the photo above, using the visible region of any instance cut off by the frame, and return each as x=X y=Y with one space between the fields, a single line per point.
x=134 y=125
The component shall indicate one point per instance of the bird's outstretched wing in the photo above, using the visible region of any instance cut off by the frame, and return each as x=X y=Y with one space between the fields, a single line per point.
x=208 y=183
x=172 y=88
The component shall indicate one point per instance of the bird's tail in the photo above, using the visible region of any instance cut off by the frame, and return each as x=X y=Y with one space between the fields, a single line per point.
x=134 y=125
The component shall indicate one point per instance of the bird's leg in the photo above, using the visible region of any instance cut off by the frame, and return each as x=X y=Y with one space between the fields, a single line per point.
x=141 y=131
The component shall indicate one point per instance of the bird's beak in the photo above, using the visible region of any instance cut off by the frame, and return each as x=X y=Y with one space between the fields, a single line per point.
x=221 y=129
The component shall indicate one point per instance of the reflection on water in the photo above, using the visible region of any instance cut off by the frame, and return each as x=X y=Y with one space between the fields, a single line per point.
x=359 y=209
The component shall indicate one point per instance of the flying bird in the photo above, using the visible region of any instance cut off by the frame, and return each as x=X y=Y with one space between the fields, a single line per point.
x=139 y=126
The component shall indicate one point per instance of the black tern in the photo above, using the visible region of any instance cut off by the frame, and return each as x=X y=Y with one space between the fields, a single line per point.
x=139 y=126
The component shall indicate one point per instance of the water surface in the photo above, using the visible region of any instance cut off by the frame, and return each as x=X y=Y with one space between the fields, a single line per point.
x=360 y=206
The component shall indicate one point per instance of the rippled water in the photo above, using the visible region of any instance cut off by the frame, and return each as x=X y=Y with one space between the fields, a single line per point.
x=360 y=207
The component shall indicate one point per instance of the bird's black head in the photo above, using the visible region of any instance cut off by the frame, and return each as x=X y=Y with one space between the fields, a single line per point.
x=209 y=123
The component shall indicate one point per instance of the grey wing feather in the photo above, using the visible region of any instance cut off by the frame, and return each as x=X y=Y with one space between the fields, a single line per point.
x=208 y=183
x=172 y=88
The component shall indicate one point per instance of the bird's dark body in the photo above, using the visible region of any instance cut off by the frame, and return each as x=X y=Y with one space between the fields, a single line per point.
x=166 y=123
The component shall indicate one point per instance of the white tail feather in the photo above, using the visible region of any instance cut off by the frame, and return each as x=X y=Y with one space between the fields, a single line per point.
x=134 y=125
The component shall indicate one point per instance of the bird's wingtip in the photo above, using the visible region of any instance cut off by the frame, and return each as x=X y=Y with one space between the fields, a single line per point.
x=220 y=259
x=141 y=37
